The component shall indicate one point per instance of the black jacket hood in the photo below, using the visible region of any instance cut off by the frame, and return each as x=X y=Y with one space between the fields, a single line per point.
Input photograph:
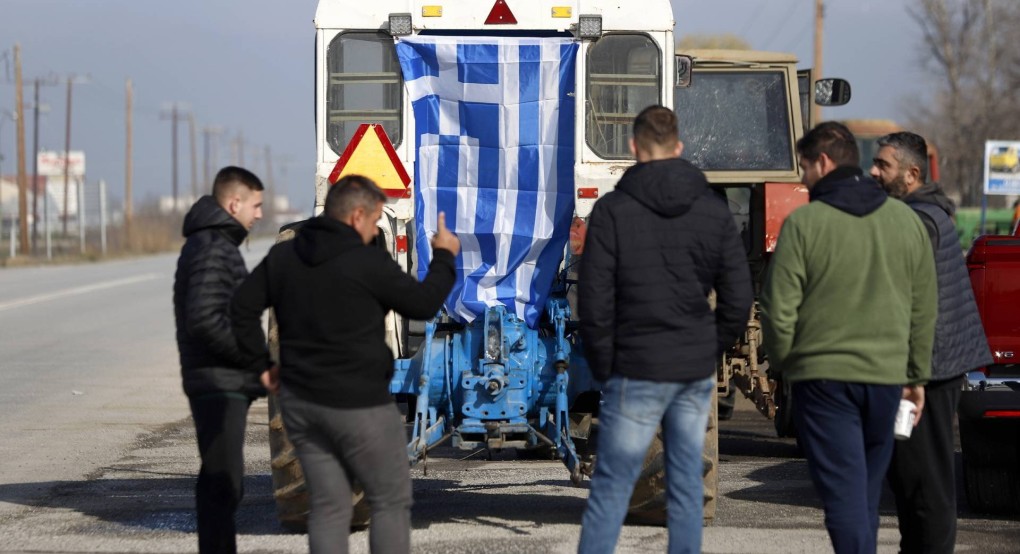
x=323 y=238
x=667 y=187
x=208 y=214
x=849 y=190
x=932 y=193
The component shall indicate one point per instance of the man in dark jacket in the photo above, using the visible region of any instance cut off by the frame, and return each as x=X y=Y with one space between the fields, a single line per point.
x=921 y=472
x=220 y=387
x=330 y=290
x=655 y=249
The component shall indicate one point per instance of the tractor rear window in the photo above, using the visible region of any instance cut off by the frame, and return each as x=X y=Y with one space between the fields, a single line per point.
x=623 y=79
x=363 y=86
x=736 y=121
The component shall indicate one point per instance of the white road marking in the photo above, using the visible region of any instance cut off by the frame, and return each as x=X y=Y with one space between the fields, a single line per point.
x=77 y=290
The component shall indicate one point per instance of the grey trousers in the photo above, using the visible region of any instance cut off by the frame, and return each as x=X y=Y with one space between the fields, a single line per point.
x=339 y=446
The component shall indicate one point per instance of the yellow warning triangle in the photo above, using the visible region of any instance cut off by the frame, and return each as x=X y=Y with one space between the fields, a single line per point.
x=370 y=153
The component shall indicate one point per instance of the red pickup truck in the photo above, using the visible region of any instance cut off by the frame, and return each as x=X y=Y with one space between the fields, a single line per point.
x=989 y=412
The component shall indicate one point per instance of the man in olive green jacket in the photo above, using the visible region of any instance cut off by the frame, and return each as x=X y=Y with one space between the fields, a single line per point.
x=848 y=311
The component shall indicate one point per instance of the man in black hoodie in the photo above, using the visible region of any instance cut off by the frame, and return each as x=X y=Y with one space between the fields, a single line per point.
x=220 y=387
x=655 y=249
x=330 y=289
x=921 y=473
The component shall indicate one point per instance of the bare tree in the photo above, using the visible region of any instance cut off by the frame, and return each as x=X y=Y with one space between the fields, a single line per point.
x=967 y=46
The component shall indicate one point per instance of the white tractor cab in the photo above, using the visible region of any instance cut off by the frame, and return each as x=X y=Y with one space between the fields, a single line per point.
x=625 y=62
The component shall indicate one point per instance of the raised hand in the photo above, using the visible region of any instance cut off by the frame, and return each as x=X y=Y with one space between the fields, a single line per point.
x=444 y=238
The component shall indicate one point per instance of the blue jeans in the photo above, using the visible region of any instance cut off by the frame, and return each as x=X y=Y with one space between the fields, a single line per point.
x=846 y=430
x=631 y=413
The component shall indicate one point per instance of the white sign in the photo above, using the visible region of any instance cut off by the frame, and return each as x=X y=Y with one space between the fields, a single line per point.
x=51 y=164
x=1002 y=167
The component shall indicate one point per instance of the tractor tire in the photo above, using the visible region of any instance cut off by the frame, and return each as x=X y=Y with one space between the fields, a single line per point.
x=289 y=489
x=991 y=490
x=727 y=403
x=648 y=502
x=710 y=458
x=783 y=421
x=991 y=453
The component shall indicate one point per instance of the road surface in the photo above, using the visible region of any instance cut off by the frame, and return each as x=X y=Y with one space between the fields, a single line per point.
x=98 y=450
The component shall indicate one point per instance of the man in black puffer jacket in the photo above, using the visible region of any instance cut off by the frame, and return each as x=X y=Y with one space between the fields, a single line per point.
x=922 y=475
x=655 y=248
x=218 y=384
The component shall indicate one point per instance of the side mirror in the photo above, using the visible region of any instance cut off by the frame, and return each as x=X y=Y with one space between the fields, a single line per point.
x=832 y=92
x=684 y=65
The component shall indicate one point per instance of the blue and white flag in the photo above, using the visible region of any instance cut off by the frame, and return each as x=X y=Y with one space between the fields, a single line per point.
x=494 y=150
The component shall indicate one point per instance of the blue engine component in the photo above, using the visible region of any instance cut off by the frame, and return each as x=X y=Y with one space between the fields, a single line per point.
x=496 y=383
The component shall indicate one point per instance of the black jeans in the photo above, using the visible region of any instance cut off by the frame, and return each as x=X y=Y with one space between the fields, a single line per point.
x=922 y=475
x=219 y=425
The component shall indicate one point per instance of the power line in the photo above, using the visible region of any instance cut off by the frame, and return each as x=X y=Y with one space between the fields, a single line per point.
x=762 y=4
x=799 y=37
x=783 y=22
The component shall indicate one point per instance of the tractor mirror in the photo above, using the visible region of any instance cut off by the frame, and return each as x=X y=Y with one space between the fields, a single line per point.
x=684 y=65
x=832 y=92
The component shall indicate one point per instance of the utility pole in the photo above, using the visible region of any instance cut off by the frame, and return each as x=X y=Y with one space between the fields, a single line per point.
x=3 y=114
x=174 y=156
x=239 y=150
x=269 y=167
x=176 y=112
x=210 y=136
x=35 y=170
x=70 y=81
x=194 y=158
x=128 y=169
x=816 y=110
x=36 y=107
x=269 y=206
x=19 y=110
x=67 y=155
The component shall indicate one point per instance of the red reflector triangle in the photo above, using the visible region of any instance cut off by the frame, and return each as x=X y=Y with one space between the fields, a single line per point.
x=500 y=14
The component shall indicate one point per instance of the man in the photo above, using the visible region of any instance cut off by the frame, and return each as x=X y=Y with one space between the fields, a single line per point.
x=921 y=473
x=655 y=248
x=220 y=387
x=848 y=311
x=330 y=289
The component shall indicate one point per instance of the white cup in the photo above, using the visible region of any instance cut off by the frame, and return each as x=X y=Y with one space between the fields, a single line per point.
x=905 y=419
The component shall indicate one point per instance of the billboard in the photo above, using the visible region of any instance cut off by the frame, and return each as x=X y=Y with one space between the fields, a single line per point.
x=51 y=164
x=1002 y=167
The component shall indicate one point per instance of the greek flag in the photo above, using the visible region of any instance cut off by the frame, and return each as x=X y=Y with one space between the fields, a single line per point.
x=494 y=150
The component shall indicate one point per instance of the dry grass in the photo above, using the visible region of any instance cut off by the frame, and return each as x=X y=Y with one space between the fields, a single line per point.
x=150 y=233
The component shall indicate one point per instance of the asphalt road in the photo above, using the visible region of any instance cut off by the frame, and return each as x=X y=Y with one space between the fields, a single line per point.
x=98 y=450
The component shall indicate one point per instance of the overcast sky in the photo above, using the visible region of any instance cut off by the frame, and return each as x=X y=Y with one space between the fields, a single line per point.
x=246 y=66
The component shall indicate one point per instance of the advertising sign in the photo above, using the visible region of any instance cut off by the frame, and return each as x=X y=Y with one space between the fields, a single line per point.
x=1002 y=167
x=51 y=164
